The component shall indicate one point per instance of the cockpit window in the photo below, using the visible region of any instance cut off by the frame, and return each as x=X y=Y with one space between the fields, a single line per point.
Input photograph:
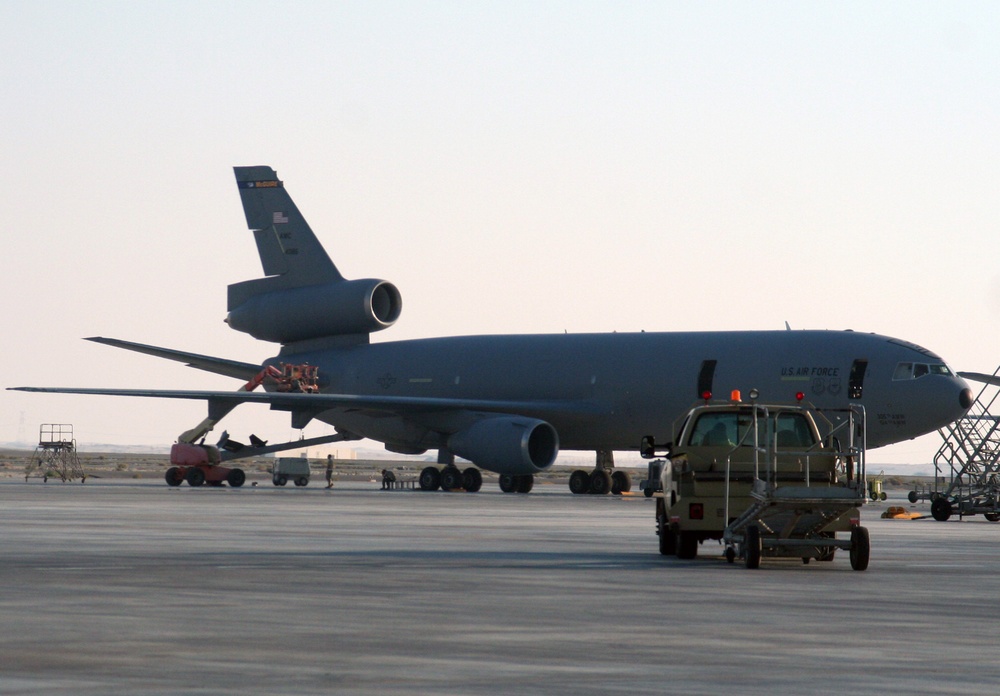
x=903 y=371
x=907 y=370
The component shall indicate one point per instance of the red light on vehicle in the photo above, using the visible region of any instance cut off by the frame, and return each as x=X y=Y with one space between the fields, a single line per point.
x=706 y=395
x=799 y=396
x=696 y=511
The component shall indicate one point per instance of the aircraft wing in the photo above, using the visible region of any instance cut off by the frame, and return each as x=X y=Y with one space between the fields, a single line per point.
x=980 y=377
x=313 y=402
x=219 y=366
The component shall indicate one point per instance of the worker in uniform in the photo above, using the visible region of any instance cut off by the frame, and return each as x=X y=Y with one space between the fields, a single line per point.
x=329 y=471
x=388 y=478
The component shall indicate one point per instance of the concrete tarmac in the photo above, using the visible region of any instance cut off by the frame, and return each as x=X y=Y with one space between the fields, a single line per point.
x=133 y=588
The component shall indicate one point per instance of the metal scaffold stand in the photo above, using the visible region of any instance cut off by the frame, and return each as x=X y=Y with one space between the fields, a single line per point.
x=55 y=456
x=967 y=466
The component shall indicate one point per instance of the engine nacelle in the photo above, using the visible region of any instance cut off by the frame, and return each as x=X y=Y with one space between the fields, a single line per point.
x=510 y=445
x=315 y=311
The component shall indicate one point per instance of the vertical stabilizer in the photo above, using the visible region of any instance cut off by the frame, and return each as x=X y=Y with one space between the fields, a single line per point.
x=287 y=247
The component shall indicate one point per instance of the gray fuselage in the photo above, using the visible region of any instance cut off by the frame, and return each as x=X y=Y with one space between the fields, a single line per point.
x=636 y=384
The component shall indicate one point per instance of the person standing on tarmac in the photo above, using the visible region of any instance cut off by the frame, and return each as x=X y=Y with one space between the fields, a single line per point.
x=329 y=471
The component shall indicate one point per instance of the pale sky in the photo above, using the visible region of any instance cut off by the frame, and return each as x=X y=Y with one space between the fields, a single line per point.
x=513 y=167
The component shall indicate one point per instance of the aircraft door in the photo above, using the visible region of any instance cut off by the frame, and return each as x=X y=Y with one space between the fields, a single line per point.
x=856 y=382
x=706 y=377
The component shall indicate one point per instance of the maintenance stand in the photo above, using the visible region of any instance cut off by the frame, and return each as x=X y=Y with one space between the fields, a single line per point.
x=55 y=455
x=967 y=466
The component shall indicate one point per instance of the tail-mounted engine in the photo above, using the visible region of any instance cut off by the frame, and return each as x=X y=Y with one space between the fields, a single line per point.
x=339 y=308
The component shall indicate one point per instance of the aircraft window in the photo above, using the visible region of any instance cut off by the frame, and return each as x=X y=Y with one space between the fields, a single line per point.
x=904 y=370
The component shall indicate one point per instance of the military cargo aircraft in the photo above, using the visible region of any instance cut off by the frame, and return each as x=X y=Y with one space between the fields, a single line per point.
x=508 y=403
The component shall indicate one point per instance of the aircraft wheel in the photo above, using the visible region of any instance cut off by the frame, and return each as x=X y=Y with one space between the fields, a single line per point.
x=525 y=483
x=472 y=480
x=687 y=545
x=430 y=479
x=992 y=516
x=451 y=478
x=508 y=483
x=861 y=547
x=941 y=509
x=174 y=477
x=912 y=496
x=754 y=548
x=195 y=477
x=621 y=482
x=668 y=540
x=236 y=478
x=301 y=481
x=600 y=482
x=579 y=482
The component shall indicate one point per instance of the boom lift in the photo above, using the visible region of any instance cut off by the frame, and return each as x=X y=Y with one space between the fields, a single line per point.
x=197 y=463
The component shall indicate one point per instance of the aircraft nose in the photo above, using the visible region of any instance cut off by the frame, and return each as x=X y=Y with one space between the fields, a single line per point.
x=965 y=398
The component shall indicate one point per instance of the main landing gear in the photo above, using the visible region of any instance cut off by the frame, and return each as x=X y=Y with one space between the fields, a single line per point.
x=603 y=479
x=450 y=477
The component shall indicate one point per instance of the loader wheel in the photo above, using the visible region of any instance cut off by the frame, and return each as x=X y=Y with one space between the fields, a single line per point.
x=941 y=509
x=753 y=547
x=236 y=478
x=861 y=547
x=668 y=539
x=195 y=477
x=912 y=496
x=992 y=516
x=687 y=545
x=174 y=477
x=579 y=482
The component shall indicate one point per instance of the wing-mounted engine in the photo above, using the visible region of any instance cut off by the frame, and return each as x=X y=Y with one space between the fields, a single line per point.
x=508 y=445
x=340 y=308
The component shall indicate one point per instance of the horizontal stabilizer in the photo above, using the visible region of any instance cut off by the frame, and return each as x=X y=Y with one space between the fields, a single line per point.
x=219 y=366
